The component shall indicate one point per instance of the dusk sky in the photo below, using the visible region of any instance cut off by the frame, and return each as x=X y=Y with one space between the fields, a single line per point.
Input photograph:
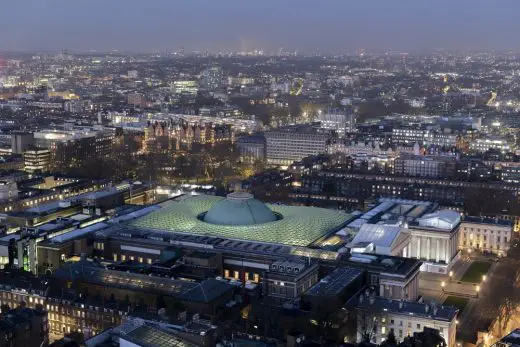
x=306 y=25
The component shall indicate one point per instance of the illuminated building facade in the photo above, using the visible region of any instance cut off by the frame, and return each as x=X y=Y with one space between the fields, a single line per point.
x=37 y=160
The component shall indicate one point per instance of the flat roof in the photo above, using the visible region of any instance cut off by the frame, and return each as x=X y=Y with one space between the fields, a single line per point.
x=482 y=220
x=335 y=282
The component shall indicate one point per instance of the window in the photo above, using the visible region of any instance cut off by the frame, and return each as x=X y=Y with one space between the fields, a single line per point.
x=141 y=259
x=383 y=330
x=115 y=256
x=236 y=275
x=391 y=321
x=418 y=326
x=123 y=257
x=400 y=332
x=409 y=324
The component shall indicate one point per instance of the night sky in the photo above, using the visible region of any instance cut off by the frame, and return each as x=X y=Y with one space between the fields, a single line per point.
x=219 y=25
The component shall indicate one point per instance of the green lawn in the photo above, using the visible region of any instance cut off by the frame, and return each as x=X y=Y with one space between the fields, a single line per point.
x=457 y=302
x=475 y=272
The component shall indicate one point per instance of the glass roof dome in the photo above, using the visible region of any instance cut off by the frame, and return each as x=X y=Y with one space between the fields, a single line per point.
x=239 y=208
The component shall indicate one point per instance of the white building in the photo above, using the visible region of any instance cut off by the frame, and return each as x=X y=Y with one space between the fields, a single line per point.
x=378 y=316
x=410 y=229
x=340 y=123
x=486 y=235
x=293 y=143
x=435 y=240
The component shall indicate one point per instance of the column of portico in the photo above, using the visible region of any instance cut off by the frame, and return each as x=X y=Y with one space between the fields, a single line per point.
x=446 y=251
x=437 y=250
x=428 y=247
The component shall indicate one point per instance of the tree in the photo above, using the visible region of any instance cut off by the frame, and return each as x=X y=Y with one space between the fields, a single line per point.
x=279 y=116
x=390 y=338
x=368 y=333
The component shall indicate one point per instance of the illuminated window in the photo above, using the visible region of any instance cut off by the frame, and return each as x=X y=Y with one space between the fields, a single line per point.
x=123 y=257
x=236 y=275
x=141 y=259
x=115 y=256
x=149 y=260
x=226 y=273
x=256 y=277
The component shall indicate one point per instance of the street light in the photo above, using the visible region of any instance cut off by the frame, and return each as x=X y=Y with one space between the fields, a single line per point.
x=443 y=284
x=484 y=277
x=477 y=288
x=451 y=275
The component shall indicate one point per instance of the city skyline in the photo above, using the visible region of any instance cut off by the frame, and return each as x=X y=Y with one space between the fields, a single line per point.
x=333 y=27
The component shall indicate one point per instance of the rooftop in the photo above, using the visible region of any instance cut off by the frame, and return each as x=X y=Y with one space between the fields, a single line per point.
x=362 y=301
x=380 y=235
x=483 y=220
x=239 y=209
x=148 y=336
x=335 y=282
x=297 y=225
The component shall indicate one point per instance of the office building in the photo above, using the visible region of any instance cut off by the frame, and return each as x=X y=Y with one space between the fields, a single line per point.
x=293 y=143
x=482 y=145
x=37 y=160
x=189 y=87
x=411 y=135
x=71 y=146
x=424 y=166
x=337 y=122
x=251 y=148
